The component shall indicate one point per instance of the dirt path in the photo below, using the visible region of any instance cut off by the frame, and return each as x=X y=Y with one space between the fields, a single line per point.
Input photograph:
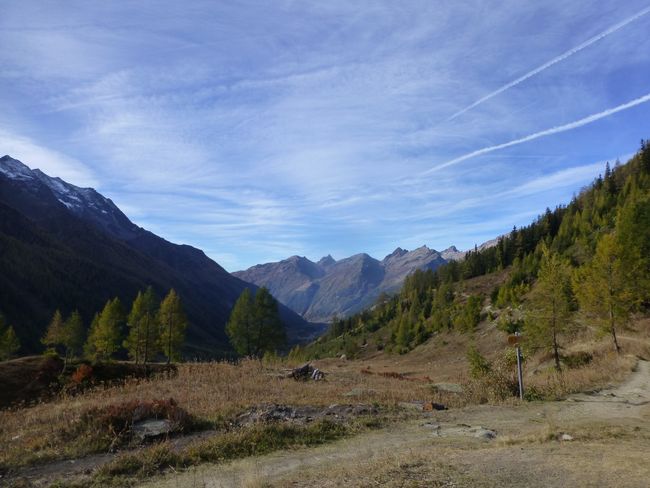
x=481 y=446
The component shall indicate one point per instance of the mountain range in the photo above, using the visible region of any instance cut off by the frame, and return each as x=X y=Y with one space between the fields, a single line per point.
x=321 y=290
x=62 y=246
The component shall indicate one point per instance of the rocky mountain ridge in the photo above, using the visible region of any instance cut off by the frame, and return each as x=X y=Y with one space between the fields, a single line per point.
x=318 y=291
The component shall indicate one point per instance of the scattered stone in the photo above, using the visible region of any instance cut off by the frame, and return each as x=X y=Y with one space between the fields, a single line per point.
x=151 y=428
x=422 y=406
x=417 y=405
x=302 y=414
x=483 y=433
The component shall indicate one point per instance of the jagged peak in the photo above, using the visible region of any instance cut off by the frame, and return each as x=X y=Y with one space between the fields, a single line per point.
x=326 y=260
x=424 y=248
x=296 y=258
x=398 y=252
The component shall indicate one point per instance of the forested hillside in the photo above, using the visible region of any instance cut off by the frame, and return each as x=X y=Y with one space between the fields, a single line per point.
x=588 y=260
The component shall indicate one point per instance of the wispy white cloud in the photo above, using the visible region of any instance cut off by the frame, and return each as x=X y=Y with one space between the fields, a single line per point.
x=555 y=60
x=544 y=133
x=257 y=129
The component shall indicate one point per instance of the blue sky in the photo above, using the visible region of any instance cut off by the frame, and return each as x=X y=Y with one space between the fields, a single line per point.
x=256 y=130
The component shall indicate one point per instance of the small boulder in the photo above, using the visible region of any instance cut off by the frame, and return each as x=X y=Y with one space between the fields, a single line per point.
x=151 y=428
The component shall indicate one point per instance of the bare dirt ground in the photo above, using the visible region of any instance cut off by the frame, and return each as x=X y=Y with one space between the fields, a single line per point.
x=598 y=439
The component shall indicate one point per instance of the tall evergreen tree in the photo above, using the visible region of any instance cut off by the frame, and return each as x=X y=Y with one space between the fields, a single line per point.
x=90 y=350
x=9 y=343
x=603 y=290
x=133 y=342
x=106 y=331
x=255 y=326
x=173 y=323
x=633 y=243
x=271 y=333
x=74 y=335
x=549 y=314
x=143 y=339
x=55 y=333
x=241 y=327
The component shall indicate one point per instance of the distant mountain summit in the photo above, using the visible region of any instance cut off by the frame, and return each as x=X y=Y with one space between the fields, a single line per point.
x=62 y=246
x=319 y=291
x=453 y=254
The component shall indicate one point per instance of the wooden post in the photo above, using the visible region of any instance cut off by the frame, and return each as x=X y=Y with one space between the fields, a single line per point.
x=514 y=341
x=520 y=375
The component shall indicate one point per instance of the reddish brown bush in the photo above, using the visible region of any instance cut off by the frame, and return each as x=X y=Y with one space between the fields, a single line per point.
x=83 y=373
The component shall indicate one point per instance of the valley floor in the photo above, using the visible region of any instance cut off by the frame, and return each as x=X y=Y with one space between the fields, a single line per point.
x=606 y=430
x=599 y=439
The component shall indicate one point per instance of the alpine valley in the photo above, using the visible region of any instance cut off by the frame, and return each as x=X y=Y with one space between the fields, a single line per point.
x=68 y=247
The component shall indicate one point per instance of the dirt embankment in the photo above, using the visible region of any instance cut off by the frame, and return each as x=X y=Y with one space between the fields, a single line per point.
x=32 y=379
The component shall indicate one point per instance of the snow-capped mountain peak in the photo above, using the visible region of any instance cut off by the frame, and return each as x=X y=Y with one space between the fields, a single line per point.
x=73 y=197
x=85 y=203
x=14 y=169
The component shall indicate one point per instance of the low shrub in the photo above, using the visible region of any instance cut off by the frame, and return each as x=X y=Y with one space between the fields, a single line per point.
x=251 y=441
x=105 y=428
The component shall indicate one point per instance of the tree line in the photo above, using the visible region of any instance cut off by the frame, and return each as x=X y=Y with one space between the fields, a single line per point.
x=151 y=327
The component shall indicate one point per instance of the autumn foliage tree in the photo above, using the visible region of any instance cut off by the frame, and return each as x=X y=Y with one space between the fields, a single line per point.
x=549 y=313
x=143 y=339
x=9 y=343
x=55 y=333
x=105 y=331
x=173 y=323
x=602 y=288
x=74 y=335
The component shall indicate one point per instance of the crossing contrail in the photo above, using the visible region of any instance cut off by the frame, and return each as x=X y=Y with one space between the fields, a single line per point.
x=544 y=133
x=553 y=61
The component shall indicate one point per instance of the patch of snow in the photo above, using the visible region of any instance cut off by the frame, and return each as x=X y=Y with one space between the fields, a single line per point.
x=69 y=205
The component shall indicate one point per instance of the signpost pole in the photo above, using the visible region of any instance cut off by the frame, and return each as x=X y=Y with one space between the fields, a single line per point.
x=520 y=375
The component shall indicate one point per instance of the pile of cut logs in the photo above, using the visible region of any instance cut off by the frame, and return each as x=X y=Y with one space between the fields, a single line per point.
x=304 y=373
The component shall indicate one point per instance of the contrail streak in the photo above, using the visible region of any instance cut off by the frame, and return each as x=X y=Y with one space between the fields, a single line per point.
x=544 y=133
x=553 y=61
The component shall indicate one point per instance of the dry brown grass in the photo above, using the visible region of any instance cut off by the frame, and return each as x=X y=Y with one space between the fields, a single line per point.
x=606 y=369
x=207 y=391
x=214 y=392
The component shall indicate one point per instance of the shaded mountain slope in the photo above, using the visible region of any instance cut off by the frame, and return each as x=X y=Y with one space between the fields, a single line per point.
x=68 y=247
